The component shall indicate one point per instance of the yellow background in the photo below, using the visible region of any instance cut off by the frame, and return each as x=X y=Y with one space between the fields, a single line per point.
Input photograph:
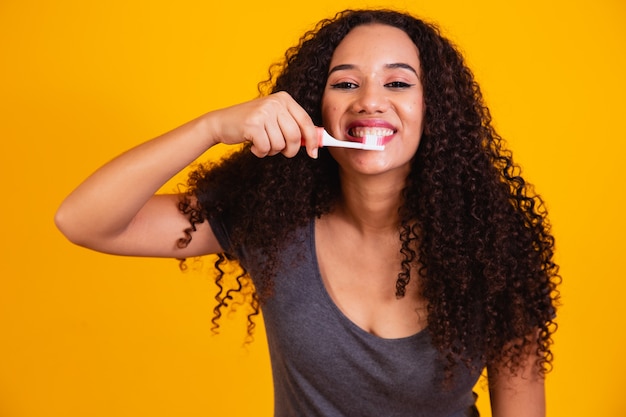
x=86 y=334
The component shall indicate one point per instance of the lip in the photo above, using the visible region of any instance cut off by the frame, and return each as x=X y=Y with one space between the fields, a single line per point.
x=373 y=123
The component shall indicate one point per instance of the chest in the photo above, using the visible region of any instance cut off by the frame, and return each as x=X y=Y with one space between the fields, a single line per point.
x=360 y=277
x=321 y=356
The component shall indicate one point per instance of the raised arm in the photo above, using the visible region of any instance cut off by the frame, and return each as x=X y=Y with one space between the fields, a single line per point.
x=115 y=210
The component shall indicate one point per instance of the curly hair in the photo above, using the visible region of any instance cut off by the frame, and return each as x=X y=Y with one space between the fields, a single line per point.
x=473 y=228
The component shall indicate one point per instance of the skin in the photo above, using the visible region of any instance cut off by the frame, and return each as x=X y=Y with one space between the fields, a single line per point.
x=132 y=220
x=373 y=81
x=116 y=210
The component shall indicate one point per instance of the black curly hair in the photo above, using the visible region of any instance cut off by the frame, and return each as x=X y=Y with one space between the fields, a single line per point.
x=472 y=226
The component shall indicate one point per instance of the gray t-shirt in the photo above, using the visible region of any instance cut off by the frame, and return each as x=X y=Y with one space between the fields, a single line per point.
x=325 y=365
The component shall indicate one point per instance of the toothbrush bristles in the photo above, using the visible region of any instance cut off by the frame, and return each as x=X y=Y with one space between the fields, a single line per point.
x=372 y=140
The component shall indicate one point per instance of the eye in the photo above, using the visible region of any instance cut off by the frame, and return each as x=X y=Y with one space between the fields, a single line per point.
x=344 y=85
x=398 y=85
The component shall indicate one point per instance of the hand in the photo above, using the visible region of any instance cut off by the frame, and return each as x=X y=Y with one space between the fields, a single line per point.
x=273 y=124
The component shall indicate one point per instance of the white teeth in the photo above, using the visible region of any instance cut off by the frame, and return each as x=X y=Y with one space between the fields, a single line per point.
x=361 y=132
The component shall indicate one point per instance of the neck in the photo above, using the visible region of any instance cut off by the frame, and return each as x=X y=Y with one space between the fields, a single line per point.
x=371 y=203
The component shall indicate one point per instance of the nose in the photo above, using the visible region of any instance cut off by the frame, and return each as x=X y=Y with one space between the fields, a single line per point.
x=370 y=99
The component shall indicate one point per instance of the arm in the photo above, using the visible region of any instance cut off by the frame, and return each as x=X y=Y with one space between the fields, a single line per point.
x=116 y=210
x=519 y=395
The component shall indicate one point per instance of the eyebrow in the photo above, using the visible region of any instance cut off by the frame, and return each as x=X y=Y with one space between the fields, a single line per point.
x=401 y=65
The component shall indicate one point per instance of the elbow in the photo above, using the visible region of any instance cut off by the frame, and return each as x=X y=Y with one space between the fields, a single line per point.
x=62 y=222
x=66 y=223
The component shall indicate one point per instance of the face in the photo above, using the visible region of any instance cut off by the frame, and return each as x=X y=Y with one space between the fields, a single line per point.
x=374 y=88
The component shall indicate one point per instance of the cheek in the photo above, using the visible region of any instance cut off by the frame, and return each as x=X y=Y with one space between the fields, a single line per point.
x=416 y=109
x=328 y=112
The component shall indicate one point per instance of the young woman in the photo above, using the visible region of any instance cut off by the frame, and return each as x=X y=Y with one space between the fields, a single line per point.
x=388 y=280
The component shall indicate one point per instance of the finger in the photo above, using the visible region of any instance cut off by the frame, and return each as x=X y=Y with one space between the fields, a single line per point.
x=308 y=133
x=261 y=146
x=276 y=138
x=292 y=133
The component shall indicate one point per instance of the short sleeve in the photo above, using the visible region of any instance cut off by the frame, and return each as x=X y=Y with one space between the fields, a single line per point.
x=221 y=232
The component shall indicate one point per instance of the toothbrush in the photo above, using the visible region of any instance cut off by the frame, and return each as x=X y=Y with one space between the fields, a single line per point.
x=324 y=139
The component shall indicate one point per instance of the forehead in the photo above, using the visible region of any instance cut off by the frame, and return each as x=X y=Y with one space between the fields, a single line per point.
x=376 y=42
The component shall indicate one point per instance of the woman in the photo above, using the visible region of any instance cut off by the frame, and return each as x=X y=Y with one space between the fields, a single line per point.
x=388 y=279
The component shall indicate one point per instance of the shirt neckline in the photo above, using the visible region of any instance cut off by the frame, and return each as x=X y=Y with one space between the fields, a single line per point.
x=337 y=311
